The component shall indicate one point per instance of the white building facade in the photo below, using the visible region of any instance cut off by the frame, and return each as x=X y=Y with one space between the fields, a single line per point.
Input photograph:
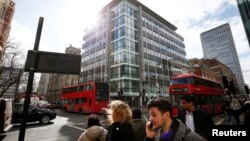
x=133 y=49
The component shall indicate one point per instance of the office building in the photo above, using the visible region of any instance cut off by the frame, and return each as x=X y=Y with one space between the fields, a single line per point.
x=135 y=50
x=219 y=43
x=244 y=9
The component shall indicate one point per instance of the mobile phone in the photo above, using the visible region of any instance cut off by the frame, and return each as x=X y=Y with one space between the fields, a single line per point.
x=151 y=126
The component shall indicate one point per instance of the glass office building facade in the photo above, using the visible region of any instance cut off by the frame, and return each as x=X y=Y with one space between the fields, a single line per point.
x=133 y=49
x=219 y=43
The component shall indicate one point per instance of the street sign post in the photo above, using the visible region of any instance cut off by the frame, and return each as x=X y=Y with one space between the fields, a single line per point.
x=47 y=62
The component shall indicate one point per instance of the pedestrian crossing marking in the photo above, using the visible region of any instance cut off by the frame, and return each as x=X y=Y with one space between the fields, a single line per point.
x=77 y=127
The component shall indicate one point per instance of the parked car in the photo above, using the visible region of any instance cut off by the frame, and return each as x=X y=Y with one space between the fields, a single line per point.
x=49 y=106
x=5 y=114
x=44 y=116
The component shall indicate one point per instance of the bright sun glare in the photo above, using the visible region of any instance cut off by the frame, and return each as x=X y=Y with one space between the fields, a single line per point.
x=77 y=16
x=89 y=13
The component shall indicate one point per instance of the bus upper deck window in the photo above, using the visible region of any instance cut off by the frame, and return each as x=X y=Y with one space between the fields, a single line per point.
x=89 y=87
x=191 y=80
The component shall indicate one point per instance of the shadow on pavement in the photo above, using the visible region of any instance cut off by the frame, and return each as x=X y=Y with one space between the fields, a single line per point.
x=30 y=125
x=69 y=133
x=2 y=137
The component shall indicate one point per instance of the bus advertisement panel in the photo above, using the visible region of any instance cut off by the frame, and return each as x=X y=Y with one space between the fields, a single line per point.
x=208 y=94
x=88 y=97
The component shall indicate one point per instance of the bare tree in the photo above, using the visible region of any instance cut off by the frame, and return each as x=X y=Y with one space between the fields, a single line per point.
x=24 y=81
x=12 y=69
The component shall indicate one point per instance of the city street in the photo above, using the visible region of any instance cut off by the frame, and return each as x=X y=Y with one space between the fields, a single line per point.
x=69 y=126
x=195 y=54
x=66 y=127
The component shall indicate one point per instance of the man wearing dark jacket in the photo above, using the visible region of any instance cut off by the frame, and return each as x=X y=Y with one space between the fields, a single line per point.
x=199 y=121
x=139 y=125
x=162 y=127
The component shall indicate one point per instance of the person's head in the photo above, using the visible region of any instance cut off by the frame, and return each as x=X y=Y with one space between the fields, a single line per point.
x=187 y=102
x=136 y=114
x=160 y=112
x=93 y=120
x=120 y=111
x=234 y=99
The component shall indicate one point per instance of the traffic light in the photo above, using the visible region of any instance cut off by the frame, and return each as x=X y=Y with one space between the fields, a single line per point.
x=143 y=92
x=122 y=92
x=119 y=93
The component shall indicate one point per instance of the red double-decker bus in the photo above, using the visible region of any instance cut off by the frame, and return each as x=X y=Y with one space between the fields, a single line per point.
x=88 y=97
x=208 y=94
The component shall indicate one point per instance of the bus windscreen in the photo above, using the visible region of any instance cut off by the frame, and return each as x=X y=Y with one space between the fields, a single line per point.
x=182 y=81
x=102 y=91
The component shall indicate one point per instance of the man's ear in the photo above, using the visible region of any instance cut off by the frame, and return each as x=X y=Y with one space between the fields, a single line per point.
x=166 y=114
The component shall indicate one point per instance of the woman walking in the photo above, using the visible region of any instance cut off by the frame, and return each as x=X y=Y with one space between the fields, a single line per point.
x=120 y=128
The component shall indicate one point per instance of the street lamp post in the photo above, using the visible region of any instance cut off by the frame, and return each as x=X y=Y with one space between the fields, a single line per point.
x=169 y=70
x=169 y=73
x=122 y=90
x=157 y=89
x=142 y=93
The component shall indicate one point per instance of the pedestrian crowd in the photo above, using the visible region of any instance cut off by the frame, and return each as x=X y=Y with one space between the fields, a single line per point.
x=234 y=107
x=165 y=123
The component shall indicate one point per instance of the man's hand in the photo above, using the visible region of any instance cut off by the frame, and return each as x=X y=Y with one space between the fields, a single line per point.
x=150 y=133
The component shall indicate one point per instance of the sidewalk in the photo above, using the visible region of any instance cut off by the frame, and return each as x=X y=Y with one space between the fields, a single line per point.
x=219 y=119
x=233 y=121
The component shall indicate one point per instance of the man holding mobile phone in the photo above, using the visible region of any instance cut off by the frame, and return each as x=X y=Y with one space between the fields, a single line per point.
x=162 y=127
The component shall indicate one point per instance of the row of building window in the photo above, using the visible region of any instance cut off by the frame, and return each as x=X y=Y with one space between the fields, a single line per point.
x=90 y=55
x=95 y=39
x=163 y=43
x=126 y=74
x=94 y=60
x=94 y=65
x=126 y=85
x=124 y=19
x=157 y=26
x=162 y=36
x=124 y=8
x=95 y=77
x=124 y=56
x=153 y=88
x=124 y=43
x=124 y=32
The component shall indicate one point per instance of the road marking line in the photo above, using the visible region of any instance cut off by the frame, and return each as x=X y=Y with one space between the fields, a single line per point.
x=219 y=122
x=81 y=123
x=77 y=127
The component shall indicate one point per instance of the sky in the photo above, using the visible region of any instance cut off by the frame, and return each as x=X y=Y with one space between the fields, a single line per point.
x=65 y=21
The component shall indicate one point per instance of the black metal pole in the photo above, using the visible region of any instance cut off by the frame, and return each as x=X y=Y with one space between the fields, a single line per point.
x=30 y=82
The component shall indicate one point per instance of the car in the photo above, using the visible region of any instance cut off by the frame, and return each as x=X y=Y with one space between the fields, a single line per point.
x=44 y=116
x=49 y=106
x=5 y=115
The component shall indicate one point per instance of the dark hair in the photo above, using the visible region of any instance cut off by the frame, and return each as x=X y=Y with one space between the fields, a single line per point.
x=162 y=104
x=93 y=120
x=188 y=98
x=136 y=113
